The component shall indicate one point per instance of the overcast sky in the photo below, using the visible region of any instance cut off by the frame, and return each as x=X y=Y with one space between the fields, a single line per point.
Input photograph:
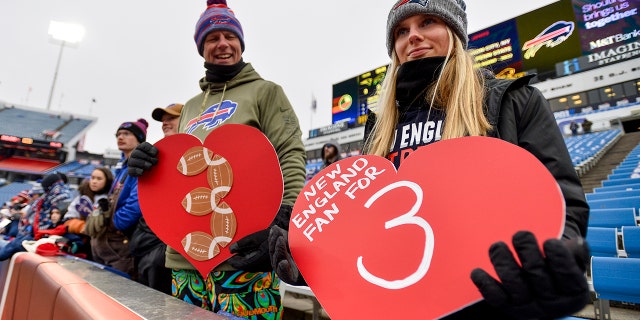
x=139 y=54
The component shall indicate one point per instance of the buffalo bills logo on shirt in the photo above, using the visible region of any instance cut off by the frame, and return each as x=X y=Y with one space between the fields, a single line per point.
x=84 y=206
x=214 y=116
x=550 y=37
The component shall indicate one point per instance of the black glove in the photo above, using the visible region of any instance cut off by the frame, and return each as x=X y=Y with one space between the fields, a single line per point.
x=252 y=251
x=281 y=258
x=142 y=158
x=545 y=287
x=103 y=204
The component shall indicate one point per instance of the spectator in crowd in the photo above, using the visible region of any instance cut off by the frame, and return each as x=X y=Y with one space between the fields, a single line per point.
x=18 y=208
x=245 y=283
x=90 y=192
x=431 y=82
x=112 y=225
x=55 y=193
x=574 y=126
x=330 y=153
x=147 y=249
x=169 y=116
x=55 y=219
x=586 y=126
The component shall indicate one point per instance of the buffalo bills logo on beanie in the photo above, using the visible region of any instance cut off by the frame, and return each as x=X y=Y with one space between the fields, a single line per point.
x=217 y=16
x=138 y=128
x=452 y=13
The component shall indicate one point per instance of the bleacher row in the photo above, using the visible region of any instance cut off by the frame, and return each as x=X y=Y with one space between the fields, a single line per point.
x=614 y=236
x=587 y=149
x=81 y=169
x=27 y=123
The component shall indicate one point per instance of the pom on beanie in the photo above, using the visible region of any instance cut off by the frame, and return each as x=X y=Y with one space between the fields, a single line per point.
x=452 y=12
x=138 y=128
x=217 y=16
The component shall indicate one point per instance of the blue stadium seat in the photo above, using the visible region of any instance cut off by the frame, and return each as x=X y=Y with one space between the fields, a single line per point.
x=615 y=279
x=627 y=202
x=603 y=242
x=633 y=186
x=631 y=241
x=617 y=182
x=613 y=217
x=612 y=194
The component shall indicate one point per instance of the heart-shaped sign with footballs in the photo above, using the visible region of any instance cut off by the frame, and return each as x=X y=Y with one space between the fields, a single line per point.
x=376 y=243
x=203 y=196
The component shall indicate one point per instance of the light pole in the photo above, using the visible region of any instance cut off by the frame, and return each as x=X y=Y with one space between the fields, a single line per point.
x=66 y=34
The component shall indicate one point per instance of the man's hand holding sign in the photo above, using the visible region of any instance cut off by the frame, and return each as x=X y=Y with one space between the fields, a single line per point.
x=382 y=244
x=205 y=196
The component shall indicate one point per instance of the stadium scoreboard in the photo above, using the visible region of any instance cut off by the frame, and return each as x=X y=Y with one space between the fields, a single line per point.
x=10 y=141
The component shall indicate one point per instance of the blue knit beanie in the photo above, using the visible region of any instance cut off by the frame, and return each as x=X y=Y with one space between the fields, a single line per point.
x=217 y=16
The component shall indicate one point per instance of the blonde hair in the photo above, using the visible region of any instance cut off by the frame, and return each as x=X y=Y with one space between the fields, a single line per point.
x=459 y=89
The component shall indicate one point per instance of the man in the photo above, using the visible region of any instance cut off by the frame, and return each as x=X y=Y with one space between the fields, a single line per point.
x=330 y=153
x=169 y=116
x=110 y=239
x=234 y=93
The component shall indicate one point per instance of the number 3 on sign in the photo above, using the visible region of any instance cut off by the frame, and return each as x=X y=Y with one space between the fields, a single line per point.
x=407 y=218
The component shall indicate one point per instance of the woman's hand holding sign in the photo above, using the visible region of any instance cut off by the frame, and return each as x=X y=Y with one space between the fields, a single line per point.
x=348 y=225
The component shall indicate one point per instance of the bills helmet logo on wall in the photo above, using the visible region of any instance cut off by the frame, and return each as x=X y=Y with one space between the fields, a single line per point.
x=213 y=116
x=550 y=37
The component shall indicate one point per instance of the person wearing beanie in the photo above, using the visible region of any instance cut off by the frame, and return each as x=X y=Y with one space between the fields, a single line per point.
x=147 y=249
x=110 y=228
x=138 y=128
x=232 y=92
x=169 y=116
x=431 y=83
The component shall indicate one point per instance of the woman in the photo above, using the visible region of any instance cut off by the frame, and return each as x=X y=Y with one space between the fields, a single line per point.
x=431 y=83
x=89 y=194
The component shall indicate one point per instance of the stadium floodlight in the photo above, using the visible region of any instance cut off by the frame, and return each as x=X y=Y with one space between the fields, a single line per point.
x=66 y=34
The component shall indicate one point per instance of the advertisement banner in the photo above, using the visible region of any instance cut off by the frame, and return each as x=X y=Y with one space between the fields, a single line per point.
x=548 y=35
x=498 y=48
x=606 y=24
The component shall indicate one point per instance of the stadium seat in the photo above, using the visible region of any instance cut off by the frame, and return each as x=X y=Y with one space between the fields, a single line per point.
x=633 y=186
x=617 y=182
x=631 y=241
x=627 y=202
x=613 y=217
x=612 y=194
x=603 y=242
x=615 y=279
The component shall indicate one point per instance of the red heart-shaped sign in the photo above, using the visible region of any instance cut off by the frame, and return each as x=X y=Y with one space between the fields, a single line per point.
x=199 y=192
x=374 y=243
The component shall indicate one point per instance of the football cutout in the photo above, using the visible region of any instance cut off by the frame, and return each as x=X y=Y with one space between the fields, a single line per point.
x=223 y=227
x=194 y=160
x=198 y=201
x=200 y=246
x=216 y=197
x=220 y=174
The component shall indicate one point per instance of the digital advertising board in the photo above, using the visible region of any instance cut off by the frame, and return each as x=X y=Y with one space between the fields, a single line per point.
x=353 y=97
x=497 y=48
x=609 y=33
x=548 y=35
